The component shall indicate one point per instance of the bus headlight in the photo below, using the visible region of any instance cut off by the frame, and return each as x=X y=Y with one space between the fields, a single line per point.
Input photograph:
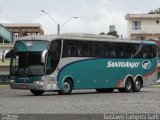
x=12 y=81
x=52 y=77
x=39 y=82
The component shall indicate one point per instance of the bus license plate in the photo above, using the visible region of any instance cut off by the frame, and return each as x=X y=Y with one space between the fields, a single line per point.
x=24 y=87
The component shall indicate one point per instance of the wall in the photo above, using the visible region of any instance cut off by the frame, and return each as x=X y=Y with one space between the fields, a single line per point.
x=149 y=28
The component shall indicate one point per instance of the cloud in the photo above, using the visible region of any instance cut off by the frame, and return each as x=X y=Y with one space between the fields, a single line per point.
x=5 y=21
x=91 y=19
x=94 y=16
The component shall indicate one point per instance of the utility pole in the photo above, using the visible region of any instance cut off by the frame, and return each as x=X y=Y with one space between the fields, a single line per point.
x=58 y=25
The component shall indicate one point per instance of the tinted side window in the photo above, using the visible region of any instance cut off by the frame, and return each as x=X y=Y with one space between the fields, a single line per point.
x=69 y=48
x=151 y=51
x=128 y=50
x=131 y=50
x=104 y=49
x=72 y=48
x=148 y=51
x=83 y=49
x=110 y=50
x=120 y=50
x=145 y=51
x=98 y=49
x=54 y=54
x=134 y=50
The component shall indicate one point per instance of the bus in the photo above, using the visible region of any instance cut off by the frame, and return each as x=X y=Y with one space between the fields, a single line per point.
x=66 y=62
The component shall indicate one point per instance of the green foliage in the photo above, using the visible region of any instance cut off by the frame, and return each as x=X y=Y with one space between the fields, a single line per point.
x=102 y=33
x=156 y=11
x=114 y=33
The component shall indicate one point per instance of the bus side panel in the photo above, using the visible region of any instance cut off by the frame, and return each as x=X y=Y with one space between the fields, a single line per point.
x=105 y=73
x=150 y=74
x=88 y=74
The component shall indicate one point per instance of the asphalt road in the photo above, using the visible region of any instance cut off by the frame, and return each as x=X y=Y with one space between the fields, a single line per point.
x=80 y=102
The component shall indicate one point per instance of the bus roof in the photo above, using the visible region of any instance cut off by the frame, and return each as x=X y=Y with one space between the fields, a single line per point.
x=84 y=37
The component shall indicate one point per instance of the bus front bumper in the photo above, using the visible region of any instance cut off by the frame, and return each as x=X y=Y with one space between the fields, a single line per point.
x=32 y=86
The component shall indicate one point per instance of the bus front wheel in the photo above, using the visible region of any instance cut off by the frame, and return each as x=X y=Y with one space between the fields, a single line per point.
x=128 y=86
x=37 y=92
x=66 y=87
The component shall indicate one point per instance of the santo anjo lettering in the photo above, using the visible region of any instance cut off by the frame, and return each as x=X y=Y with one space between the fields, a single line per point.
x=123 y=64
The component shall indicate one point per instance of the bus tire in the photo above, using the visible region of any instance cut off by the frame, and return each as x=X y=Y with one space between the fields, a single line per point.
x=137 y=85
x=128 y=85
x=67 y=87
x=106 y=90
x=37 y=92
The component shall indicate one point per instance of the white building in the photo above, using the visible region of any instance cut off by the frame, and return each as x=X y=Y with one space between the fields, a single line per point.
x=143 y=26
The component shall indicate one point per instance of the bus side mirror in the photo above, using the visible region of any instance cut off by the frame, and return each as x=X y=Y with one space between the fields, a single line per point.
x=5 y=52
x=43 y=58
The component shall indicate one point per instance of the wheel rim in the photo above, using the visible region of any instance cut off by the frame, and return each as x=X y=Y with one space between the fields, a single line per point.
x=66 y=87
x=138 y=85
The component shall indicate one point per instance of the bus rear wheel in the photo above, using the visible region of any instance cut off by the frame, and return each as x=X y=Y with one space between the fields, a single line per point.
x=137 y=85
x=106 y=90
x=37 y=92
x=128 y=86
x=66 y=87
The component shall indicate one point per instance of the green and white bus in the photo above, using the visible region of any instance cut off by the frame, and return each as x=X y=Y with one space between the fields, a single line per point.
x=82 y=61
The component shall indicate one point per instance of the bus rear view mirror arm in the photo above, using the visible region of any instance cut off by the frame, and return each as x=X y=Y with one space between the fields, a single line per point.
x=43 y=56
x=5 y=52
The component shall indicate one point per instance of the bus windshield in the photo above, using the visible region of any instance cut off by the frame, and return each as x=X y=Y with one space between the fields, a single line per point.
x=27 y=63
x=26 y=59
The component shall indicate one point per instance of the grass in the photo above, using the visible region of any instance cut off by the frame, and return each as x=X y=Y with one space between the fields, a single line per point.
x=157 y=85
x=3 y=84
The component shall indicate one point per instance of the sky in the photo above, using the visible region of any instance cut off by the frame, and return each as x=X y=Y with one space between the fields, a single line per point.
x=94 y=16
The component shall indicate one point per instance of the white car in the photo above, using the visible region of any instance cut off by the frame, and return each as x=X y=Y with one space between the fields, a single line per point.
x=158 y=82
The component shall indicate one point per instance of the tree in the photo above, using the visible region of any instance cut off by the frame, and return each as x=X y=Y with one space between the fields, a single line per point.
x=102 y=33
x=157 y=11
x=114 y=33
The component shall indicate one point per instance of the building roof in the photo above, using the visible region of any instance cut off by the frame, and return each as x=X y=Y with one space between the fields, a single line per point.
x=24 y=28
x=22 y=24
x=140 y=16
x=10 y=25
x=5 y=34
